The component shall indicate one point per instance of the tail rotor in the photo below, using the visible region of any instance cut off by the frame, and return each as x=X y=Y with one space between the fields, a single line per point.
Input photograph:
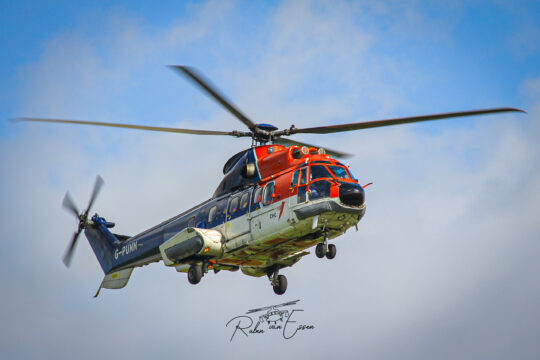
x=82 y=217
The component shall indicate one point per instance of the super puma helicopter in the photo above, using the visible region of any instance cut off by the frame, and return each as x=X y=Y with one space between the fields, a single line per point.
x=276 y=200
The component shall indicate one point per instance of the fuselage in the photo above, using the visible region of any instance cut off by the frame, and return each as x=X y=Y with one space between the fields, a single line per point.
x=267 y=213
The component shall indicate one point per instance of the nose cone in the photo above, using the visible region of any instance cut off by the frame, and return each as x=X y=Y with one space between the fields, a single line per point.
x=351 y=194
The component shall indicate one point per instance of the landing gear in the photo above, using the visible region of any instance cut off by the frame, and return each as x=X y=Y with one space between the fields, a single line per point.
x=324 y=249
x=195 y=273
x=281 y=285
x=205 y=267
x=319 y=250
x=331 y=253
x=278 y=282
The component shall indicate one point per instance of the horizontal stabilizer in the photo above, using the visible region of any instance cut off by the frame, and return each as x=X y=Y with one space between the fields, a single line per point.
x=116 y=280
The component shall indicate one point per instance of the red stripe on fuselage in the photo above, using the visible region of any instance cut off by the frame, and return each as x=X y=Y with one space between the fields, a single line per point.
x=281 y=210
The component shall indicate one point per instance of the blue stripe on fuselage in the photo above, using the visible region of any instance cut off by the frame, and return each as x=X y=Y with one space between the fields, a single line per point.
x=145 y=245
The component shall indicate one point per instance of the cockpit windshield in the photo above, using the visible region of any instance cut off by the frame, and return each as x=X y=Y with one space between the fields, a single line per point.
x=319 y=171
x=339 y=172
x=348 y=169
x=352 y=175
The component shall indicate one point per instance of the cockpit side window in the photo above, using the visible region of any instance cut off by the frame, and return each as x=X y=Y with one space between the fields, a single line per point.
x=319 y=189
x=303 y=176
x=294 y=180
x=319 y=171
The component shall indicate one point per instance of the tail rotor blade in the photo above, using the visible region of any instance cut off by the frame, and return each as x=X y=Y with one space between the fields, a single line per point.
x=83 y=218
x=69 y=251
x=97 y=187
x=69 y=205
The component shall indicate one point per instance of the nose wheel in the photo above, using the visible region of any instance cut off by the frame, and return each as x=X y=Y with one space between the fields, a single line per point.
x=324 y=249
x=331 y=252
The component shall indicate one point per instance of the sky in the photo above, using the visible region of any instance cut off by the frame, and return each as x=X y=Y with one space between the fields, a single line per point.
x=444 y=263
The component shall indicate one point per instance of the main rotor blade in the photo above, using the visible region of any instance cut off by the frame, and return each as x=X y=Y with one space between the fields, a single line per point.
x=334 y=153
x=397 y=121
x=137 y=127
x=69 y=251
x=198 y=79
x=97 y=187
x=69 y=204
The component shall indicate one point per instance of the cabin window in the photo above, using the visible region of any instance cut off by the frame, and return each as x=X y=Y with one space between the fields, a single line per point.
x=222 y=207
x=191 y=222
x=319 y=171
x=233 y=205
x=257 y=198
x=268 y=192
x=244 y=200
x=212 y=214
x=339 y=172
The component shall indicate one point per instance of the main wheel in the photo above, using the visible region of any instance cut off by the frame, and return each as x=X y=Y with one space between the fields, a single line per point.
x=331 y=251
x=194 y=274
x=281 y=286
x=319 y=250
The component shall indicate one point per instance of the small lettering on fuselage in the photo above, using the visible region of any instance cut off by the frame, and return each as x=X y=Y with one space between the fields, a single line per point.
x=126 y=249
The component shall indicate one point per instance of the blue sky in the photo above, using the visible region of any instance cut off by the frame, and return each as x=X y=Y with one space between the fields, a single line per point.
x=444 y=263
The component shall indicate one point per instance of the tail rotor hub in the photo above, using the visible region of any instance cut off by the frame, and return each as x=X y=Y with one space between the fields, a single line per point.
x=69 y=205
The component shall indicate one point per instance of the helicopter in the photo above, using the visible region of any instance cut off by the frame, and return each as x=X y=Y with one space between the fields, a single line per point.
x=277 y=199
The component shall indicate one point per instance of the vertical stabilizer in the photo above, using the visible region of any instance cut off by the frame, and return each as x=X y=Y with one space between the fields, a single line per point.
x=102 y=242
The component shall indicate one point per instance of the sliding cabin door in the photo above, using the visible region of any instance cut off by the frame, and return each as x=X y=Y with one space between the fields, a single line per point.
x=238 y=223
